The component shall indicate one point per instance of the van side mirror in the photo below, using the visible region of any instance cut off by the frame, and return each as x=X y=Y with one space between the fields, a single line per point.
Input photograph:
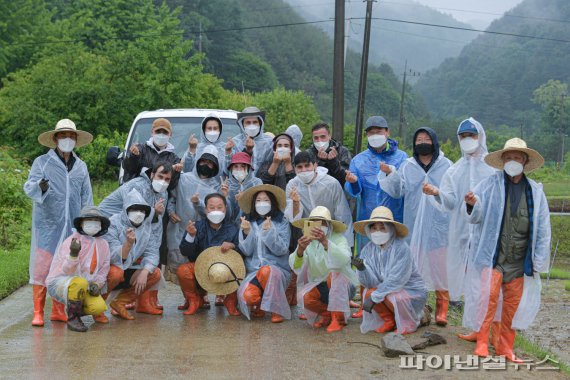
x=114 y=156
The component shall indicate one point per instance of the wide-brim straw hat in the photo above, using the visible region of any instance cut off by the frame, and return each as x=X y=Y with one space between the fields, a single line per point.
x=384 y=215
x=65 y=125
x=219 y=273
x=247 y=196
x=535 y=160
x=321 y=213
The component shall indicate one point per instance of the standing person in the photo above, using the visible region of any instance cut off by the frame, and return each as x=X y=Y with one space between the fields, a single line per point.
x=510 y=246
x=212 y=128
x=240 y=179
x=264 y=242
x=80 y=267
x=322 y=262
x=59 y=187
x=428 y=225
x=330 y=154
x=279 y=170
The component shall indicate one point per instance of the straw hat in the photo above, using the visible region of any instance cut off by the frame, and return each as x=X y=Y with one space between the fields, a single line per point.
x=384 y=215
x=219 y=273
x=247 y=196
x=65 y=125
x=535 y=160
x=321 y=213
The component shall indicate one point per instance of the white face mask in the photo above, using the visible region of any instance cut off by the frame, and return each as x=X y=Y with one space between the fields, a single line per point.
x=306 y=177
x=212 y=136
x=325 y=229
x=216 y=217
x=239 y=175
x=469 y=145
x=376 y=141
x=91 y=227
x=66 y=145
x=283 y=152
x=160 y=140
x=321 y=145
x=513 y=168
x=136 y=217
x=262 y=208
x=159 y=186
x=379 y=237
x=252 y=130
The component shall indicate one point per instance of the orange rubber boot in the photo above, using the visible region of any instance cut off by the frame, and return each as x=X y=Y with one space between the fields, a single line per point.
x=495 y=334
x=252 y=296
x=276 y=318
x=39 y=296
x=230 y=302
x=441 y=306
x=482 y=347
x=387 y=316
x=358 y=314
x=324 y=320
x=144 y=304
x=512 y=294
x=57 y=311
x=337 y=322
x=125 y=297
x=187 y=281
x=291 y=291
x=471 y=337
x=101 y=318
x=154 y=300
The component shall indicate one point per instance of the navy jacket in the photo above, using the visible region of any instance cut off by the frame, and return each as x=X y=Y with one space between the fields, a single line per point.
x=207 y=237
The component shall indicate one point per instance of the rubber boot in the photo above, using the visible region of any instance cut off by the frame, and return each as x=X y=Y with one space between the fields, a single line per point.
x=252 y=297
x=187 y=281
x=387 y=316
x=57 y=311
x=74 y=322
x=185 y=305
x=441 y=307
x=495 y=334
x=256 y=312
x=482 y=346
x=302 y=317
x=291 y=291
x=195 y=301
x=358 y=314
x=154 y=300
x=125 y=297
x=219 y=300
x=512 y=294
x=324 y=320
x=144 y=304
x=276 y=318
x=101 y=318
x=39 y=296
x=230 y=302
x=337 y=322
x=471 y=337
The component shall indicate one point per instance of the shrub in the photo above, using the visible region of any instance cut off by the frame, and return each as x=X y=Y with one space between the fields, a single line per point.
x=95 y=154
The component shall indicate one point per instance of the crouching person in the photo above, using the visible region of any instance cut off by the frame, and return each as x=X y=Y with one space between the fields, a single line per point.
x=395 y=294
x=134 y=256
x=80 y=267
x=322 y=264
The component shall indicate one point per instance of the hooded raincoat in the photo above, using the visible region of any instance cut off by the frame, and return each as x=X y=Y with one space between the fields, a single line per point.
x=487 y=217
x=53 y=211
x=262 y=150
x=189 y=159
x=296 y=134
x=427 y=224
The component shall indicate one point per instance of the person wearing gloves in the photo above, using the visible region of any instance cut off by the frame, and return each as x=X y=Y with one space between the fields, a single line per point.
x=322 y=263
x=395 y=295
x=428 y=224
x=279 y=170
x=510 y=246
x=212 y=128
x=134 y=256
x=157 y=148
x=79 y=269
x=264 y=242
x=59 y=186
x=330 y=154
x=296 y=134
x=240 y=179
x=252 y=140
x=215 y=230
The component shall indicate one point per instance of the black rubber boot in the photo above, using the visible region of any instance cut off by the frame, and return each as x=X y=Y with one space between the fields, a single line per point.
x=74 y=311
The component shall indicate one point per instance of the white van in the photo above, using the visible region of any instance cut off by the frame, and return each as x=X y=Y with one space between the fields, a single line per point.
x=185 y=122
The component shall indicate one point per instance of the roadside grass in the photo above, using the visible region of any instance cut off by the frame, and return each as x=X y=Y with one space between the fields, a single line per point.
x=560 y=226
x=540 y=353
x=557 y=189
x=556 y=274
x=14 y=267
x=103 y=188
x=567 y=286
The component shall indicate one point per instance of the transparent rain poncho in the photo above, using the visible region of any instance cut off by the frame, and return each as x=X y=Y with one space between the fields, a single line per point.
x=267 y=247
x=53 y=211
x=262 y=149
x=392 y=272
x=189 y=160
x=296 y=134
x=486 y=217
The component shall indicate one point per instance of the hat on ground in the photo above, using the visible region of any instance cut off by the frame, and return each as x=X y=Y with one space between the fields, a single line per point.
x=535 y=160
x=376 y=122
x=241 y=158
x=384 y=215
x=65 y=125
x=219 y=273
x=92 y=212
x=321 y=213
x=162 y=123
x=246 y=197
x=467 y=126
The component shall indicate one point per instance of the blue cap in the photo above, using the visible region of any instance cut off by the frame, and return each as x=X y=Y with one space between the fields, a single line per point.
x=467 y=126
x=376 y=121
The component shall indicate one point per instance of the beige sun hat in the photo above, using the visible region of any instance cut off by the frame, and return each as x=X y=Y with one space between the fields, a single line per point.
x=384 y=215
x=219 y=273
x=535 y=160
x=246 y=197
x=321 y=213
x=65 y=125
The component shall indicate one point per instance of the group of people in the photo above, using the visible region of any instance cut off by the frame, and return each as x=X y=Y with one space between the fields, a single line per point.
x=263 y=225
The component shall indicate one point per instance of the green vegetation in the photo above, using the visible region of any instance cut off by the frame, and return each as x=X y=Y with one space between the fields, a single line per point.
x=567 y=286
x=535 y=350
x=557 y=274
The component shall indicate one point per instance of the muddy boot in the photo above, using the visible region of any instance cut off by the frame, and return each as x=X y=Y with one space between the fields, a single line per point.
x=39 y=296
x=57 y=312
x=230 y=302
x=74 y=322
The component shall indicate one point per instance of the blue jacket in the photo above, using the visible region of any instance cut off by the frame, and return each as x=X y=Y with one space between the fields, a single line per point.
x=207 y=237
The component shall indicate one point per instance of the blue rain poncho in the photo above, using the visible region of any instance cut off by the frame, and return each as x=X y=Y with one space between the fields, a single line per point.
x=189 y=159
x=236 y=187
x=53 y=211
x=427 y=224
x=267 y=248
x=487 y=217
x=457 y=181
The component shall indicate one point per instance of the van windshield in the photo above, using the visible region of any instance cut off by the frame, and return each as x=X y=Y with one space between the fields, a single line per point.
x=182 y=128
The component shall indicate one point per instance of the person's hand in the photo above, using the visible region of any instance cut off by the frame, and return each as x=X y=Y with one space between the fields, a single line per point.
x=319 y=235
x=322 y=155
x=385 y=168
x=294 y=195
x=358 y=264
x=195 y=198
x=191 y=228
x=266 y=224
x=350 y=177
x=174 y=218
x=245 y=225
x=74 y=248
x=44 y=185
x=226 y=246
x=430 y=189
x=276 y=158
x=94 y=289
x=139 y=281
x=192 y=143
x=159 y=206
x=134 y=149
x=178 y=167
x=131 y=236
x=287 y=159
x=368 y=305
x=224 y=188
x=249 y=144
x=302 y=244
x=332 y=154
x=470 y=199
x=229 y=145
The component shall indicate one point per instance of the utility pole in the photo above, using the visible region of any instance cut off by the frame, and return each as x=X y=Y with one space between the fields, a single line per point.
x=363 y=77
x=402 y=99
x=200 y=38
x=338 y=72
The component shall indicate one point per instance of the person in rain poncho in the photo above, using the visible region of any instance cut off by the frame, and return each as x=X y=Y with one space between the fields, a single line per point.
x=264 y=242
x=252 y=140
x=279 y=170
x=296 y=134
x=79 y=269
x=322 y=263
x=510 y=246
x=212 y=128
x=215 y=230
x=59 y=186
x=427 y=223
x=157 y=148
x=395 y=293
x=240 y=179
x=134 y=254
x=330 y=154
